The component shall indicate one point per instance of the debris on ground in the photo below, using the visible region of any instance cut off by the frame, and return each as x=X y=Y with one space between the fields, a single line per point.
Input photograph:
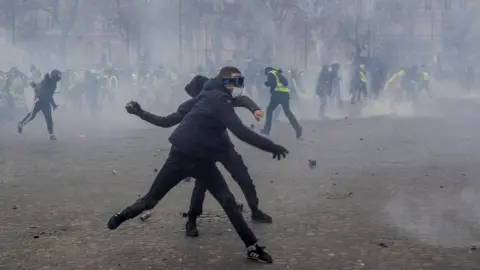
x=312 y=163
x=155 y=170
x=114 y=172
x=252 y=126
x=339 y=196
x=473 y=248
x=14 y=207
x=145 y=215
x=184 y=214
x=441 y=186
x=383 y=245
x=361 y=139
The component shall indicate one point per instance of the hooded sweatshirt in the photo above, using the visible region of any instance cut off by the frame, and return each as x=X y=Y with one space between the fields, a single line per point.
x=193 y=88
x=202 y=132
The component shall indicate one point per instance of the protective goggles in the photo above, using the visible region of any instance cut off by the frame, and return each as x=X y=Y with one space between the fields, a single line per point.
x=235 y=81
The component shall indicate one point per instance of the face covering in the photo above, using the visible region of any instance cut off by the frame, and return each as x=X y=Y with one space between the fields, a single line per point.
x=236 y=92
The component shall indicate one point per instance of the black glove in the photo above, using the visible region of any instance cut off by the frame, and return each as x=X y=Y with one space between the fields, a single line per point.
x=133 y=107
x=279 y=152
x=266 y=84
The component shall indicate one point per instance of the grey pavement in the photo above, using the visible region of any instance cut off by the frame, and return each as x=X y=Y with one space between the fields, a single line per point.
x=388 y=192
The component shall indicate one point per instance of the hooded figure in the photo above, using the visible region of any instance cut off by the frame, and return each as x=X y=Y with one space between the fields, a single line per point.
x=198 y=142
x=195 y=86
x=44 y=101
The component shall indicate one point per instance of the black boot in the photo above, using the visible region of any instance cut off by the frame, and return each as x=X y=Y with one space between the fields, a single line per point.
x=191 y=227
x=259 y=216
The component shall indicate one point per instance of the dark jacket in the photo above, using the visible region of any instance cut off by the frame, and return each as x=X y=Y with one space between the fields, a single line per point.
x=45 y=90
x=324 y=82
x=193 y=89
x=272 y=81
x=202 y=132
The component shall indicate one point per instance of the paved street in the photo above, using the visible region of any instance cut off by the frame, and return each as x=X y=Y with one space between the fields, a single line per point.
x=388 y=192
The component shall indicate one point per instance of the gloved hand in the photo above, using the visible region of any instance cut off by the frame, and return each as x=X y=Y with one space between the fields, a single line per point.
x=279 y=152
x=55 y=107
x=133 y=107
x=266 y=84
x=33 y=84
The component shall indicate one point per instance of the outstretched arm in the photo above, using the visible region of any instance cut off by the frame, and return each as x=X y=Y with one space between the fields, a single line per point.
x=231 y=120
x=169 y=120
x=245 y=102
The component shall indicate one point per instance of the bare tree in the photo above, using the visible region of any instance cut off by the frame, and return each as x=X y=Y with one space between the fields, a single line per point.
x=332 y=26
x=280 y=9
x=64 y=13
x=13 y=11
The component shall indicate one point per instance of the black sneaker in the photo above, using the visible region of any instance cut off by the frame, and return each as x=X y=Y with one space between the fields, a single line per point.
x=258 y=253
x=191 y=228
x=261 y=217
x=19 y=128
x=115 y=221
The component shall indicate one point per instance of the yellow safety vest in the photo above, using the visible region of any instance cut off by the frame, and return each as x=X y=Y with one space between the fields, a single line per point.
x=395 y=76
x=363 y=76
x=280 y=87
x=173 y=77
x=425 y=76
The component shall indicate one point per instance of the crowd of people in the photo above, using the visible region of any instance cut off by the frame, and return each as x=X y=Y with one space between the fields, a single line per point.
x=200 y=138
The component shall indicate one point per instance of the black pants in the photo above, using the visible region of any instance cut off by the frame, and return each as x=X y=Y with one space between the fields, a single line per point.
x=10 y=103
x=357 y=94
x=334 y=93
x=46 y=108
x=283 y=99
x=233 y=162
x=179 y=166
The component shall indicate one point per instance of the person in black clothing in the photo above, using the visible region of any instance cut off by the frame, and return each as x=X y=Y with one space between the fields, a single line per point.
x=280 y=96
x=197 y=142
x=232 y=161
x=324 y=88
x=44 y=101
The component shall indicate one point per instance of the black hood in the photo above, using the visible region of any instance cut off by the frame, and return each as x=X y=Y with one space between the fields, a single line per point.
x=215 y=83
x=195 y=86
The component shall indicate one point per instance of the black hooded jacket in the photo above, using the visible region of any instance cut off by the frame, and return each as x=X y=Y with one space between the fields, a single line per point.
x=202 y=132
x=193 y=89
x=45 y=90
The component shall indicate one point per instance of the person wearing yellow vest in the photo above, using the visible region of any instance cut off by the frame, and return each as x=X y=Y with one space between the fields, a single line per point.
x=361 y=85
x=280 y=95
x=424 y=79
